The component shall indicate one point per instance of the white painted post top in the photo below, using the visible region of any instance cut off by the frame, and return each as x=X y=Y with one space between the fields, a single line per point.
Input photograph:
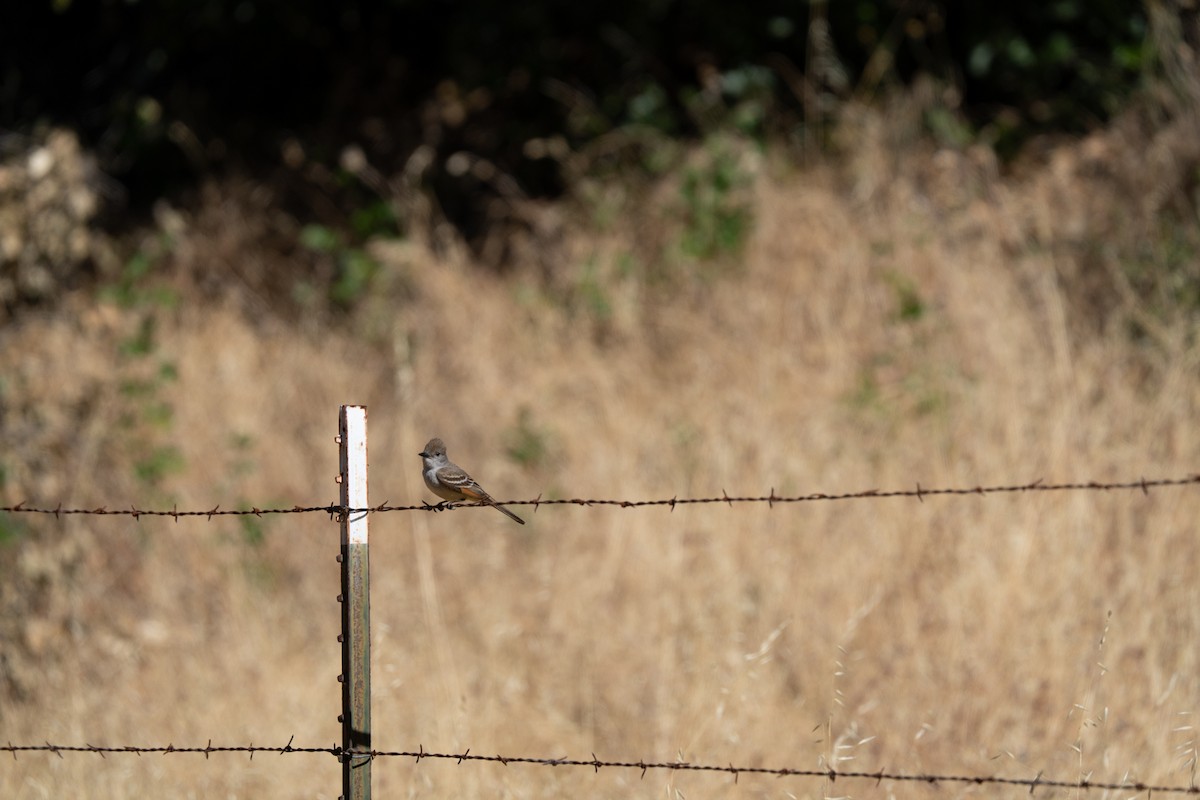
x=354 y=471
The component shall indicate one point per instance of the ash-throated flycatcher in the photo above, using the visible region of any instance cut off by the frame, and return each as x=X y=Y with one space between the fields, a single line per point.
x=451 y=482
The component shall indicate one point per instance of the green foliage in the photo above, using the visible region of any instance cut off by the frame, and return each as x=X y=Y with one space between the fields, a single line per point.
x=744 y=103
x=145 y=421
x=12 y=529
x=374 y=219
x=907 y=381
x=253 y=530
x=583 y=69
x=355 y=270
x=948 y=127
x=135 y=287
x=651 y=106
x=891 y=388
x=1060 y=65
x=160 y=462
x=526 y=443
x=241 y=465
x=627 y=266
x=866 y=394
x=592 y=293
x=430 y=82
x=717 y=213
x=145 y=417
x=257 y=565
x=355 y=273
x=249 y=535
x=909 y=305
x=320 y=239
x=141 y=343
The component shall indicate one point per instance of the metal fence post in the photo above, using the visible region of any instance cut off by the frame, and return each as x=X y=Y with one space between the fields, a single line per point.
x=356 y=607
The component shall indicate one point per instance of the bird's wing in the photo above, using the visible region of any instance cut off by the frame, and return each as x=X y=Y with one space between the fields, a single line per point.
x=456 y=477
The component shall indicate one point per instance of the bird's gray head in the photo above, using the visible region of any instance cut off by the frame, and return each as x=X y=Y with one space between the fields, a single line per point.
x=434 y=448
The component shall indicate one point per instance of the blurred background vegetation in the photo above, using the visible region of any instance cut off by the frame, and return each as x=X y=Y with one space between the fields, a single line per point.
x=136 y=79
x=300 y=132
x=765 y=246
x=478 y=99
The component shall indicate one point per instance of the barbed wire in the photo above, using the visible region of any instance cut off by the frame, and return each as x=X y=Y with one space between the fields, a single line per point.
x=920 y=493
x=207 y=749
x=216 y=511
x=596 y=764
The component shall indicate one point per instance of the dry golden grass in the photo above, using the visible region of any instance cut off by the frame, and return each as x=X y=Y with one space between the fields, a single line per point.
x=1011 y=635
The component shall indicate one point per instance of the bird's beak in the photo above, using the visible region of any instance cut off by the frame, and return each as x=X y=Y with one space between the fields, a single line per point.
x=423 y=455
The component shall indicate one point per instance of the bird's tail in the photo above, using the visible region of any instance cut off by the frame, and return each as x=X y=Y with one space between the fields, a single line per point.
x=504 y=510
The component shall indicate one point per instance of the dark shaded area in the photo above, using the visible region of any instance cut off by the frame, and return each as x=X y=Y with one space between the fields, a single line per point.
x=166 y=92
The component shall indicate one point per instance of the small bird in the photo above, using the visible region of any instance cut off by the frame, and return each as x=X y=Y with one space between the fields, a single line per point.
x=451 y=482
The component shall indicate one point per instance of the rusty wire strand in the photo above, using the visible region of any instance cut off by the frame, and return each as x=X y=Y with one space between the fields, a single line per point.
x=594 y=763
x=920 y=493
